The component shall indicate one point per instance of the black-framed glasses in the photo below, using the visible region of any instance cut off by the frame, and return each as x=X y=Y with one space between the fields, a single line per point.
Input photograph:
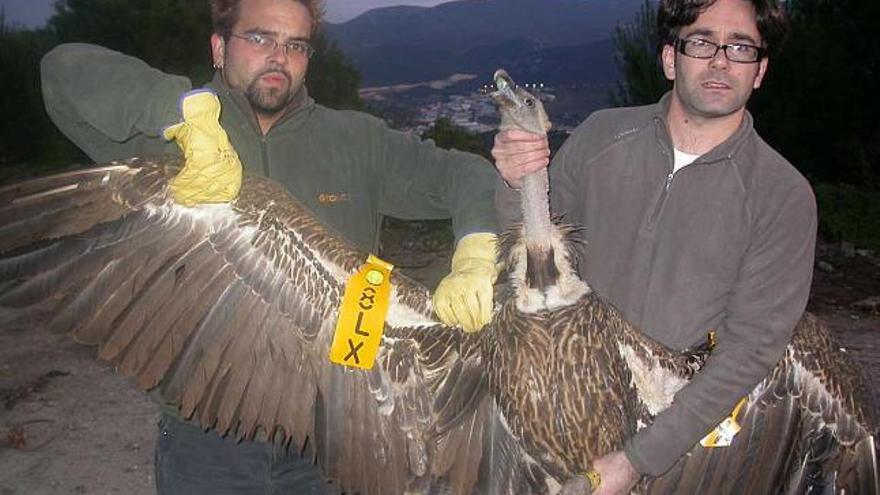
x=267 y=44
x=735 y=52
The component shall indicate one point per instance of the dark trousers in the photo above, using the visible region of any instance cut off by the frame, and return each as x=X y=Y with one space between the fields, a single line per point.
x=190 y=461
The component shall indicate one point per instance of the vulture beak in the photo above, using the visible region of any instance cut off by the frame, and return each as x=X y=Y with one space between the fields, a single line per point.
x=505 y=94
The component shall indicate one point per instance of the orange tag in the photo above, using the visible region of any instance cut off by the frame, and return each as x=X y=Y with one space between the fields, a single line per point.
x=362 y=315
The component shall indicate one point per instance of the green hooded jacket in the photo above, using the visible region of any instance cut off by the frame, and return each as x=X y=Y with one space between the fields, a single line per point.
x=348 y=167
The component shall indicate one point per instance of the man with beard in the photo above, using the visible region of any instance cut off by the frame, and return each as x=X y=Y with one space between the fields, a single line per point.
x=691 y=221
x=348 y=167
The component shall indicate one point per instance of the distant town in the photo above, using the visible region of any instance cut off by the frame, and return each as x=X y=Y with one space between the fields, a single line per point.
x=464 y=103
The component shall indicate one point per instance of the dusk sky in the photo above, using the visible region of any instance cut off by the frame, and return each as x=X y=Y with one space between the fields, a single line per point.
x=33 y=13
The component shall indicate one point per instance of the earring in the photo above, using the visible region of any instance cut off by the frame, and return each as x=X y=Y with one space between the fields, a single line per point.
x=218 y=65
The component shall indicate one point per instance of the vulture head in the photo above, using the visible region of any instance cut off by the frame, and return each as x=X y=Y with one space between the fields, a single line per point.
x=519 y=109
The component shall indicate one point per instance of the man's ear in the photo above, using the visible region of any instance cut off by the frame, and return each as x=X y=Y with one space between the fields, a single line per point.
x=667 y=59
x=218 y=50
x=762 y=70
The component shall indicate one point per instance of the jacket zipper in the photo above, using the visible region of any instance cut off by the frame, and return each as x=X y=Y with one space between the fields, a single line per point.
x=663 y=197
x=664 y=194
x=264 y=155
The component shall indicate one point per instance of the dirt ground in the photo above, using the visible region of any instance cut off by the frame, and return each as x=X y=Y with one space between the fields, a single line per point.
x=69 y=424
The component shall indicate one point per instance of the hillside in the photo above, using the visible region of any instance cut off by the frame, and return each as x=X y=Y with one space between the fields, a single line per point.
x=558 y=40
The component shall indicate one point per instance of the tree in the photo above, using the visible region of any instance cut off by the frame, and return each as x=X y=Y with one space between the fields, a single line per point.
x=171 y=35
x=332 y=79
x=819 y=103
x=637 y=58
x=448 y=136
x=26 y=133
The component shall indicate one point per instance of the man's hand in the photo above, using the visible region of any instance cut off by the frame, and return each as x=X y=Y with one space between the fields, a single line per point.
x=614 y=473
x=519 y=153
x=617 y=473
x=464 y=297
x=577 y=485
x=211 y=171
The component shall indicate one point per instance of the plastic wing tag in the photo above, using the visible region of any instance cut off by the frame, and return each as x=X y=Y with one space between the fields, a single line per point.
x=362 y=315
x=722 y=435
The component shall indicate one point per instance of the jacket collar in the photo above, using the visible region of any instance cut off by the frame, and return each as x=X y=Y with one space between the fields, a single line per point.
x=723 y=151
x=301 y=104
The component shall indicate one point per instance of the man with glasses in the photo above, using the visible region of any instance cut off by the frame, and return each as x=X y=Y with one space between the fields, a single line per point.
x=691 y=222
x=348 y=167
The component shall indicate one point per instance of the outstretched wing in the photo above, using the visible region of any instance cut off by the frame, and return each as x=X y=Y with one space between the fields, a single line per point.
x=809 y=427
x=229 y=310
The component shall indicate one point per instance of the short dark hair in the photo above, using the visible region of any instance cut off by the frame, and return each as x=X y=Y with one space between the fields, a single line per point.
x=224 y=15
x=676 y=14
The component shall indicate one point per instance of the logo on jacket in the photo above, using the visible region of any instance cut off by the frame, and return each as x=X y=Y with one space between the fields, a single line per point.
x=329 y=198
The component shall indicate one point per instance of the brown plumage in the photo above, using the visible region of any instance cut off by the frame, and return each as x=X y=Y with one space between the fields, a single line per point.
x=229 y=310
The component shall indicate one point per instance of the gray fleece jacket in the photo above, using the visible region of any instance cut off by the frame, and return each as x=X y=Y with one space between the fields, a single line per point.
x=725 y=243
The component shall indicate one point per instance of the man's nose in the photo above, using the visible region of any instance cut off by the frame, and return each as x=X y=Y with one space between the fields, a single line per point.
x=720 y=60
x=279 y=53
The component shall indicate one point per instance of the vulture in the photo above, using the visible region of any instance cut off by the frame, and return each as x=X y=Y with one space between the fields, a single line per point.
x=229 y=311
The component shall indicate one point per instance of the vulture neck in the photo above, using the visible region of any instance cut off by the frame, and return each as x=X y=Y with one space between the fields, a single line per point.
x=541 y=270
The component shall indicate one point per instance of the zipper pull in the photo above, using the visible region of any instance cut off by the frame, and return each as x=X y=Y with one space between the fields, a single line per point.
x=669 y=180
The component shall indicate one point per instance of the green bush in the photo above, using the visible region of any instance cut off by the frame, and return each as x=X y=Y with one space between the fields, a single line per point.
x=26 y=133
x=849 y=213
x=449 y=136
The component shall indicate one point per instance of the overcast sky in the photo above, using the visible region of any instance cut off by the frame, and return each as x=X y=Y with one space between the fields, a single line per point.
x=33 y=13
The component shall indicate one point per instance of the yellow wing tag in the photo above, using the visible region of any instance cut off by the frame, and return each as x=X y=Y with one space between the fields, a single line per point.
x=722 y=435
x=362 y=315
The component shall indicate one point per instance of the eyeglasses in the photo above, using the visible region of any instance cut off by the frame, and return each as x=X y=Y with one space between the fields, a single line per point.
x=735 y=52
x=266 y=45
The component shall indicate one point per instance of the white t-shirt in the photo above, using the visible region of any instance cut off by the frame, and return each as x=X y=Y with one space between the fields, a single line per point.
x=682 y=159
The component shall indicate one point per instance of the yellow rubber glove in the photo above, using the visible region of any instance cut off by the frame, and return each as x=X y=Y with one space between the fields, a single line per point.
x=212 y=171
x=464 y=297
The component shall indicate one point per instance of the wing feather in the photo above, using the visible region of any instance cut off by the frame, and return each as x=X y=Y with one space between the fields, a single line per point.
x=258 y=388
x=240 y=351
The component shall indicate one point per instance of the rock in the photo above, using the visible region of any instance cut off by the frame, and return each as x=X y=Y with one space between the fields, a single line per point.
x=868 y=305
x=866 y=253
x=825 y=266
x=822 y=248
x=848 y=249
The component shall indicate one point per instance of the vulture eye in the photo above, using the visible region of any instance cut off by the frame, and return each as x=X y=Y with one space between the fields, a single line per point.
x=530 y=102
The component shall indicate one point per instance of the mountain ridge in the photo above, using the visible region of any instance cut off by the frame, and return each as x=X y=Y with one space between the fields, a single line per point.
x=403 y=44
